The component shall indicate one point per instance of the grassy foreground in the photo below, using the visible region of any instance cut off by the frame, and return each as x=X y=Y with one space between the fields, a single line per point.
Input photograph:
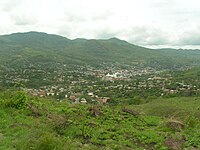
x=44 y=124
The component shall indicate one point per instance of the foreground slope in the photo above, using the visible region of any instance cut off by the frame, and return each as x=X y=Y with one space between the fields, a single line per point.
x=32 y=123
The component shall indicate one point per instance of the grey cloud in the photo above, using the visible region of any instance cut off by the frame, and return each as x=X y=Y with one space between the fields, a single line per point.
x=17 y=12
x=190 y=37
x=24 y=19
x=144 y=35
x=155 y=36
x=74 y=16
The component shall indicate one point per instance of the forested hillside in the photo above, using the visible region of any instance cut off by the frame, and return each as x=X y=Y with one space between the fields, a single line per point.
x=33 y=47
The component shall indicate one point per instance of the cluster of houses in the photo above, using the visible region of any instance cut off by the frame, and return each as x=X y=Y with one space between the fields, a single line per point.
x=74 y=98
x=120 y=74
x=70 y=77
x=94 y=98
x=68 y=92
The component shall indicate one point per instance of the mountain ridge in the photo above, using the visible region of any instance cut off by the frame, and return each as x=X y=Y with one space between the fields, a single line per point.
x=40 y=47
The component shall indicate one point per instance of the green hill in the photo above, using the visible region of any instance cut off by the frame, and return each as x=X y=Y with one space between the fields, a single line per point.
x=41 y=47
x=44 y=124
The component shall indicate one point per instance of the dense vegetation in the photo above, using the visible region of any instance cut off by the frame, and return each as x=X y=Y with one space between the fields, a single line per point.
x=33 y=123
x=33 y=47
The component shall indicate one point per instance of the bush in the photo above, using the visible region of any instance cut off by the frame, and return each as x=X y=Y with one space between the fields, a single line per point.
x=41 y=141
x=135 y=101
x=48 y=142
x=192 y=122
x=17 y=101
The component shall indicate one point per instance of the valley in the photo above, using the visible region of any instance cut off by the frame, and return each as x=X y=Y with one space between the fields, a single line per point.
x=57 y=93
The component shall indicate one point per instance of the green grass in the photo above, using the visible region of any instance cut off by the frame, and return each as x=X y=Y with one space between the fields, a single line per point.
x=44 y=124
x=172 y=107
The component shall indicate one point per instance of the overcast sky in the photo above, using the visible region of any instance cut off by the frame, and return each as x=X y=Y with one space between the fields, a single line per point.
x=151 y=23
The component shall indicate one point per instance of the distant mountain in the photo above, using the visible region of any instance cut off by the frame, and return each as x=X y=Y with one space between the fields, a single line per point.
x=19 y=48
x=37 y=40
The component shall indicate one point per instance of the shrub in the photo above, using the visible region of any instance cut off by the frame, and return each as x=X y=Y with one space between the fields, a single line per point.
x=41 y=141
x=135 y=101
x=48 y=142
x=192 y=122
x=17 y=101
